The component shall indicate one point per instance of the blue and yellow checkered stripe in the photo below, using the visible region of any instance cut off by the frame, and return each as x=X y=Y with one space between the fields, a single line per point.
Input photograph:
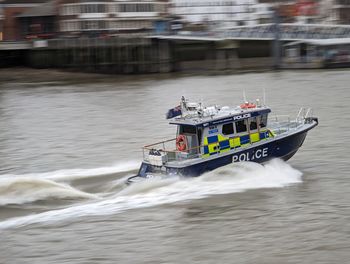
x=219 y=144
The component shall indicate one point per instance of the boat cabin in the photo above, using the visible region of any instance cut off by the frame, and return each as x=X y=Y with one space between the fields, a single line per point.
x=223 y=130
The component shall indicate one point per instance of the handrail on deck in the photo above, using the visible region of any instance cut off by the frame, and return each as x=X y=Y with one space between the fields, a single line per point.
x=165 y=141
x=161 y=142
x=148 y=147
x=281 y=128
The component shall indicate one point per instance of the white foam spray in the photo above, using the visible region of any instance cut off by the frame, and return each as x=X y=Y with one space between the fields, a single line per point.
x=25 y=190
x=229 y=179
x=74 y=174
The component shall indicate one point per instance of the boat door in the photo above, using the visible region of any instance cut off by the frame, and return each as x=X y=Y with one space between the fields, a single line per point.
x=190 y=133
x=254 y=133
x=241 y=128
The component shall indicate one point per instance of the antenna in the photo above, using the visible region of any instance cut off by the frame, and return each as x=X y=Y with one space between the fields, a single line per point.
x=244 y=97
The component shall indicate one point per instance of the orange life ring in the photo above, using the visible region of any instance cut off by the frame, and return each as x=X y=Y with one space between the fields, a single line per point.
x=247 y=105
x=181 y=143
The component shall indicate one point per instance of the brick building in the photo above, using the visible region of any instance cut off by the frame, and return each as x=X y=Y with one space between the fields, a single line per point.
x=341 y=11
x=110 y=16
x=222 y=13
x=12 y=9
x=39 y=21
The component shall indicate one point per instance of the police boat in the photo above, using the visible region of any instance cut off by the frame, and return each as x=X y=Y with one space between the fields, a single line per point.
x=214 y=136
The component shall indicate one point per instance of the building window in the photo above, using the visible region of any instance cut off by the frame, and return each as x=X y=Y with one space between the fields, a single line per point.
x=69 y=26
x=136 y=8
x=93 y=24
x=135 y=24
x=68 y=10
x=93 y=8
x=161 y=8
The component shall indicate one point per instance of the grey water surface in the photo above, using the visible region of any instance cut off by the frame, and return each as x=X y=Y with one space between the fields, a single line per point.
x=65 y=150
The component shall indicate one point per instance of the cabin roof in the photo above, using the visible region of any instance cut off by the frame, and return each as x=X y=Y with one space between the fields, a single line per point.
x=221 y=117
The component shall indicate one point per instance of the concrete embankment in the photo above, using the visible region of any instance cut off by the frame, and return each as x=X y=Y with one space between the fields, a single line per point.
x=141 y=55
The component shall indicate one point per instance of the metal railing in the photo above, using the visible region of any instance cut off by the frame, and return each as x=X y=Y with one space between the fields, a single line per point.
x=283 y=123
x=190 y=153
x=278 y=125
x=289 y=31
x=172 y=152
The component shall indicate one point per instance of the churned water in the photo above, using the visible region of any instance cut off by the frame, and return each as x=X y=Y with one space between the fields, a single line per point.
x=66 y=150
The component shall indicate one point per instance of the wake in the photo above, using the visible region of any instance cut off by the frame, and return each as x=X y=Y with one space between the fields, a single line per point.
x=26 y=190
x=233 y=178
x=75 y=174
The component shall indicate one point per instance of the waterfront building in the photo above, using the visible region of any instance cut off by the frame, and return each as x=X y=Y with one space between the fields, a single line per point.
x=322 y=11
x=307 y=11
x=317 y=53
x=341 y=12
x=222 y=13
x=39 y=21
x=111 y=16
x=313 y=11
x=263 y=12
x=11 y=9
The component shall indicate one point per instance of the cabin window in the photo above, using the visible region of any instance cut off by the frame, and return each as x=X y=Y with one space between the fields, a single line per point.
x=187 y=129
x=241 y=126
x=253 y=124
x=263 y=121
x=227 y=129
x=199 y=134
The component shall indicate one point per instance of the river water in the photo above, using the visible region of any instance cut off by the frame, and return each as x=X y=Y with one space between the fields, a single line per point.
x=66 y=149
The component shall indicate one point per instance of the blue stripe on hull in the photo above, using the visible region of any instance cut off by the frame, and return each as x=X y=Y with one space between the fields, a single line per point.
x=284 y=148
